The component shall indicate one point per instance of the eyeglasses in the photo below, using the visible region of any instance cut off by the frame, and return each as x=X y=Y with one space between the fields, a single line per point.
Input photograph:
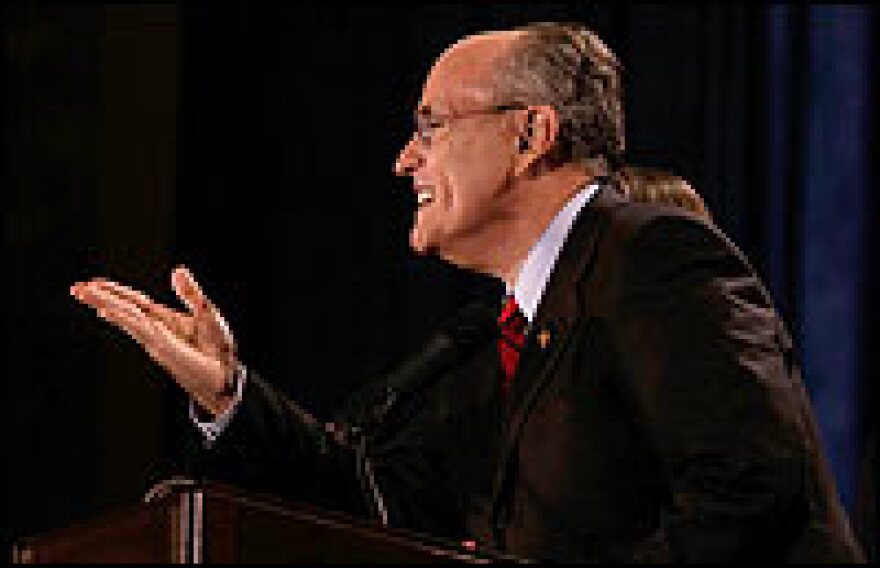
x=427 y=124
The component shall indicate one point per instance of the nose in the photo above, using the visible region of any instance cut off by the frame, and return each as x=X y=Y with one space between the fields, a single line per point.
x=409 y=160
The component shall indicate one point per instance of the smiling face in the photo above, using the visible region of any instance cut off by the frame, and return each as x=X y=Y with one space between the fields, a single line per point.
x=462 y=158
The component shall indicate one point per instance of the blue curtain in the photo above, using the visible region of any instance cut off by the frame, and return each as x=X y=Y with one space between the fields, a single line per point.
x=815 y=223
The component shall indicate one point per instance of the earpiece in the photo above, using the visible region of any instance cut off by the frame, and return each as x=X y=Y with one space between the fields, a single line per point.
x=524 y=140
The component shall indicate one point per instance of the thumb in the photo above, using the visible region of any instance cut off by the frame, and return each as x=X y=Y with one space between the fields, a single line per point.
x=188 y=290
x=207 y=316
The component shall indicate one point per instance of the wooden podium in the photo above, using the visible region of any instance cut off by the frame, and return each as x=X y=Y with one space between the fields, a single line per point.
x=183 y=521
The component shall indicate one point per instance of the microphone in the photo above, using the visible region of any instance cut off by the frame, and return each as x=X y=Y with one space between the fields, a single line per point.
x=460 y=337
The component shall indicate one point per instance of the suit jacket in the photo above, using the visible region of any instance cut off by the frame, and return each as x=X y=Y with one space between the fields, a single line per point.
x=657 y=414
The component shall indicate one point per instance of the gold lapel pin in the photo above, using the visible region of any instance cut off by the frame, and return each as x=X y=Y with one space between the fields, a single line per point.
x=544 y=338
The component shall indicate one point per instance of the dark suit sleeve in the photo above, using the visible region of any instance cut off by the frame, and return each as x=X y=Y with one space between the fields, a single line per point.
x=709 y=382
x=273 y=445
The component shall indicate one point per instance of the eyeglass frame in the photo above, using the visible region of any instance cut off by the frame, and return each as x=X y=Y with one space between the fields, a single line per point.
x=447 y=119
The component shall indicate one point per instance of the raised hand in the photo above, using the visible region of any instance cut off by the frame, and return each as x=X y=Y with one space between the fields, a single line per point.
x=195 y=346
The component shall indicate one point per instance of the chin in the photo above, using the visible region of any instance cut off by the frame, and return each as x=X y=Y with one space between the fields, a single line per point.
x=456 y=258
x=420 y=246
x=444 y=243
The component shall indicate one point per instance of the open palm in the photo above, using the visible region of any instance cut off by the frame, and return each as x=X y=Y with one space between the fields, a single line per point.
x=195 y=347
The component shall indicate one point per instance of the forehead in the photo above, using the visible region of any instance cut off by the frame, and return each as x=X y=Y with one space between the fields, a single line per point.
x=462 y=76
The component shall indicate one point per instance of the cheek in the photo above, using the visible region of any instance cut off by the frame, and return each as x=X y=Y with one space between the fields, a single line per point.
x=476 y=173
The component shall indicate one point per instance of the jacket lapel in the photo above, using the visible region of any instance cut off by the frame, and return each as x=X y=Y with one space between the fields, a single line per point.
x=555 y=328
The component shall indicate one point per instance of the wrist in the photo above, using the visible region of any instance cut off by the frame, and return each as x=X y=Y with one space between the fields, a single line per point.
x=218 y=398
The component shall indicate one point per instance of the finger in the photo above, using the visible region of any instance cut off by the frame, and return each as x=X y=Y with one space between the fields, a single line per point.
x=136 y=328
x=159 y=342
x=151 y=333
x=85 y=292
x=95 y=296
x=214 y=334
x=174 y=320
x=188 y=290
x=209 y=320
x=103 y=300
x=126 y=316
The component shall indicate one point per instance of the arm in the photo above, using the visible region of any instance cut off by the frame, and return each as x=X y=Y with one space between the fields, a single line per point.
x=708 y=379
x=269 y=442
x=274 y=445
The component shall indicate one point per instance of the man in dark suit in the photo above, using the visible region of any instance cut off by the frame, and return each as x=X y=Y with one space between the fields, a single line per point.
x=643 y=400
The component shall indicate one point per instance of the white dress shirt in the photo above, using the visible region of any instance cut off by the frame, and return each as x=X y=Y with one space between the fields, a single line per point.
x=538 y=266
x=211 y=429
x=528 y=291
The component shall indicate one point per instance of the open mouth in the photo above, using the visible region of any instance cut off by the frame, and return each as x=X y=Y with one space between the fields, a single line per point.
x=424 y=196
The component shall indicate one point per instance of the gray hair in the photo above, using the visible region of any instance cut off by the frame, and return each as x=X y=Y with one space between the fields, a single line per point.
x=568 y=67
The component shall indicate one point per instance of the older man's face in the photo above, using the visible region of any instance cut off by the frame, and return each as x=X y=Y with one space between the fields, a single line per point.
x=460 y=157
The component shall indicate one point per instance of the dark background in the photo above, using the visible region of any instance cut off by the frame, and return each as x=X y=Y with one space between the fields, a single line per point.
x=255 y=145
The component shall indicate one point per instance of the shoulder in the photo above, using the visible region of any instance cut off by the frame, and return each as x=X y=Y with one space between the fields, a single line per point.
x=657 y=250
x=654 y=235
x=633 y=220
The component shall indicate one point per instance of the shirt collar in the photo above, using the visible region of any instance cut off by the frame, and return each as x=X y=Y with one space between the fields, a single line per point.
x=536 y=270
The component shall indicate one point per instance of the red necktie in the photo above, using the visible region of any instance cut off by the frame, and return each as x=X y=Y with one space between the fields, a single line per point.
x=513 y=324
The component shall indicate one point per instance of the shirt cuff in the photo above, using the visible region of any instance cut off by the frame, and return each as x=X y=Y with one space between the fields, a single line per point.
x=212 y=429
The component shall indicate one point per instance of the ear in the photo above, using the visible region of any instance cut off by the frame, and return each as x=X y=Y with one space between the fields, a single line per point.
x=538 y=129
